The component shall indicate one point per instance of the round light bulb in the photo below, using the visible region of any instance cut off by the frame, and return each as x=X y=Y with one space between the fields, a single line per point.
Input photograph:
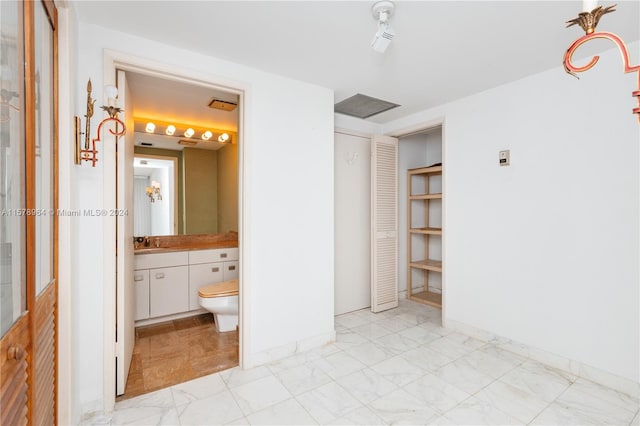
x=171 y=129
x=150 y=127
x=207 y=135
x=223 y=137
x=189 y=132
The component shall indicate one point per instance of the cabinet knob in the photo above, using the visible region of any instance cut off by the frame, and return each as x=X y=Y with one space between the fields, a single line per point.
x=16 y=353
x=223 y=255
x=215 y=269
x=159 y=275
x=138 y=278
x=232 y=268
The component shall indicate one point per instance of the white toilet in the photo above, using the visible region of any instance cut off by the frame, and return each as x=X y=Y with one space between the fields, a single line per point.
x=221 y=299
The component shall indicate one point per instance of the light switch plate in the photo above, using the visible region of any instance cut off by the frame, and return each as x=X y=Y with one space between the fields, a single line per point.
x=503 y=157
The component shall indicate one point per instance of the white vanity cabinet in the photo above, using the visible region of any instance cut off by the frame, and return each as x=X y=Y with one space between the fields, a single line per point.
x=209 y=267
x=141 y=283
x=230 y=271
x=201 y=275
x=167 y=283
x=163 y=280
x=168 y=290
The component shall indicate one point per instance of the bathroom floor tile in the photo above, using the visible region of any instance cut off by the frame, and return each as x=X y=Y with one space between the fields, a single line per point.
x=396 y=367
x=177 y=351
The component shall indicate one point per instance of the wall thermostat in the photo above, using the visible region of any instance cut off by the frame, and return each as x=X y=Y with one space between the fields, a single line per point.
x=503 y=157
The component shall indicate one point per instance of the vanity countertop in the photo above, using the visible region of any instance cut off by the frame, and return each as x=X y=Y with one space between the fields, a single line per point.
x=187 y=247
x=189 y=242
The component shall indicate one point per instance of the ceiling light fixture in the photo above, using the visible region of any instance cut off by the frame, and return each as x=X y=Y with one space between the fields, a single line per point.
x=189 y=132
x=207 y=135
x=223 y=138
x=588 y=19
x=382 y=12
x=171 y=129
x=150 y=127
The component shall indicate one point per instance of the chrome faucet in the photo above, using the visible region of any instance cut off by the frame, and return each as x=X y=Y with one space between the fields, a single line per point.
x=147 y=241
x=157 y=242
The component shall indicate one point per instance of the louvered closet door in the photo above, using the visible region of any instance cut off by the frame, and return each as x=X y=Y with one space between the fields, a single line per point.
x=28 y=224
x=384 y=221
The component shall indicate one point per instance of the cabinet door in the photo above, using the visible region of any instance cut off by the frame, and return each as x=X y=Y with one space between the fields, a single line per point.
x=230 y=271
x=201 y=275
x=141 y=282
x=168 y=290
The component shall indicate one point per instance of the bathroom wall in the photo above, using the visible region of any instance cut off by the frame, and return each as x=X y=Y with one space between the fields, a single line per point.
x=288 y=151
x=228 y=188
x=200 y=190
x=545 y=251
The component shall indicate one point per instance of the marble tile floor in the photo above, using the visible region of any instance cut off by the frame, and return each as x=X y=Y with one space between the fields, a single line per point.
x=177 y=351
x=396 y=367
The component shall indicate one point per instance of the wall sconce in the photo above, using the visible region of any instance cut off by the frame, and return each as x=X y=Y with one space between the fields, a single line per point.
x=90 y=153
x=223 y=138
x=153 y=192
x=588 y=20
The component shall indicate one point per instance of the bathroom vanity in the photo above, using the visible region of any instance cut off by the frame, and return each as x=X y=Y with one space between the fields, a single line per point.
x=167 y=279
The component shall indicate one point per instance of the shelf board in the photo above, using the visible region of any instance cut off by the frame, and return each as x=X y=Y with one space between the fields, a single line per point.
x=425 y=170
x=426 y=196
x=429 y=231
x=428 y=298
x=429 y=265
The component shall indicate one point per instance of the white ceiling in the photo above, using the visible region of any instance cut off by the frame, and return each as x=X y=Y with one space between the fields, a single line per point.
x=180 y=103
x=443 y=50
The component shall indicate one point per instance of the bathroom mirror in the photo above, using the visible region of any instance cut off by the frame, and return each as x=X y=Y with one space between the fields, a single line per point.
x=198 y=190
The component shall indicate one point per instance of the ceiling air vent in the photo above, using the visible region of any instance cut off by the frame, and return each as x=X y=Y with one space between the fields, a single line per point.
x=363 y=106
x=187 y=142
x=223 y=105
x=146 y=144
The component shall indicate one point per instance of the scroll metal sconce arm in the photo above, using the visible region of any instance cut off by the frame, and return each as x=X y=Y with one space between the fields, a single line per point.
x=588 y=22
x=90 y=153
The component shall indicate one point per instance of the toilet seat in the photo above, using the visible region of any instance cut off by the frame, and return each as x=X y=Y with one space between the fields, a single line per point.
x=223 y=289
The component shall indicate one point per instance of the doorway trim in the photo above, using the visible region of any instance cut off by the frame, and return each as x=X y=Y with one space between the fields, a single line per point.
x=113 y=61
x=420 y=128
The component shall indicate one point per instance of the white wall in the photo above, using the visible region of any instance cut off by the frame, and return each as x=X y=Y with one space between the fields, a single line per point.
x=545 y=251
x=288 y=177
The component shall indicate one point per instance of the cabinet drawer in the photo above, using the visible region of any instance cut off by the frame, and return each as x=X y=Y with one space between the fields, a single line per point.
x=230 y=271
x=168 y=290
x=161 y=260
x=201 y=275
x=141 y=284
x=213 y=255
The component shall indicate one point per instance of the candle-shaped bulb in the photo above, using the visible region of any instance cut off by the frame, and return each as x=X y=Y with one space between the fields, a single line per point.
x=589 y=5
x=111 y=93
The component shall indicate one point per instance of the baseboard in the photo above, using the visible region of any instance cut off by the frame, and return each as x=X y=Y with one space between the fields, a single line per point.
x=578 y=368
x=280 y=352
x=156 y=320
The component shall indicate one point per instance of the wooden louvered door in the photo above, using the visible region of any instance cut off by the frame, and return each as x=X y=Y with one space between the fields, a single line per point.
x=28 y=202
x=384 y=223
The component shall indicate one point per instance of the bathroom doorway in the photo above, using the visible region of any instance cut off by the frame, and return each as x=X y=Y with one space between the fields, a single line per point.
x=181 y=321
x=185 y=198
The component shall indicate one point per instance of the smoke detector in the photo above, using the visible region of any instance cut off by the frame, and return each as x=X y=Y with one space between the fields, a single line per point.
x=382 y=12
